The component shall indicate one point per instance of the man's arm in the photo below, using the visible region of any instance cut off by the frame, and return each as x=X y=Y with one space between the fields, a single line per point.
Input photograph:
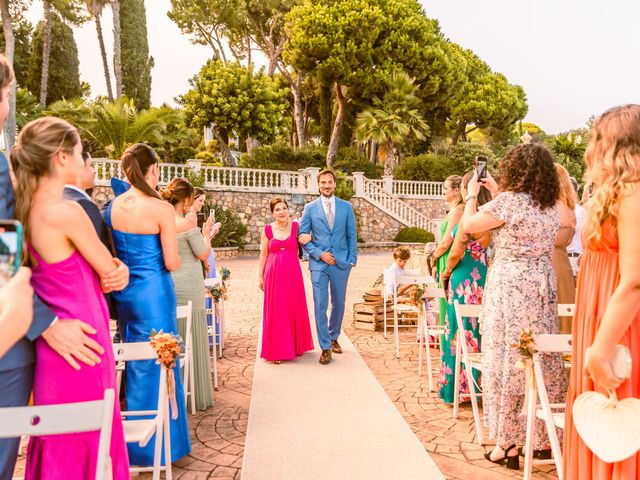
x=352 y=237
x=305 y=227
x=43 y=317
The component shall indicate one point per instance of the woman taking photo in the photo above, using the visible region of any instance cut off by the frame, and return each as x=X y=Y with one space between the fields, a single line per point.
x=193 y=247
x=520 y=291
x=286 y=332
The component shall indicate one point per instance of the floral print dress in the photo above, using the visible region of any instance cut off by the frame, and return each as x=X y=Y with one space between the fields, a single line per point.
x=520 y=292
x=466 y=286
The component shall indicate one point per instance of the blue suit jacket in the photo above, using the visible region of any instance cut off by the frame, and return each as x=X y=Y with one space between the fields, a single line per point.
x=21 y=354
x=341 y=241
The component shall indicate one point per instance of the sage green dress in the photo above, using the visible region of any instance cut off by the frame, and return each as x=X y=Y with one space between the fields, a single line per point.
x=189 y=285
x=441 y=266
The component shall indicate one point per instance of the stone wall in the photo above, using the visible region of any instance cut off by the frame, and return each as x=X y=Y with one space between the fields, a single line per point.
x=253 y=208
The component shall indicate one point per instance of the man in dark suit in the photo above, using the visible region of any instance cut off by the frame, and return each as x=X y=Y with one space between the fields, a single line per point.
x=68 y=337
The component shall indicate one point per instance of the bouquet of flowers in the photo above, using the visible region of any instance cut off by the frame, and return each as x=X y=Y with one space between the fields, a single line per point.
x=168 y=347
x=418 y=294
x=225 y=273
x=525 y=346
x=217 y=292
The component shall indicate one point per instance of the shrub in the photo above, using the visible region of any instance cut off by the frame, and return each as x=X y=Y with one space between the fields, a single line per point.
x=427 y=167
x=414 y=235
x=209 y=158
x=231 y=232
x=462 y=156
x=195 y=178
x=343 y=190
x=181 y=154
x=281 y=156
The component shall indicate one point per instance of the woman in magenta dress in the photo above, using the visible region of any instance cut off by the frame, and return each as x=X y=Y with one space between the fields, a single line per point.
x=67 y=259
x=286 y=332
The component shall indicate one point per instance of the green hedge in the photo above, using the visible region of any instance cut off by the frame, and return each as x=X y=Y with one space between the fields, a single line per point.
x=414 y=235
x=232 y=229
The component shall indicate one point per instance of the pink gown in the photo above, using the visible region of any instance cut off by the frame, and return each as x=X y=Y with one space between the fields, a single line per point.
x=286 y=332
x=71 y=289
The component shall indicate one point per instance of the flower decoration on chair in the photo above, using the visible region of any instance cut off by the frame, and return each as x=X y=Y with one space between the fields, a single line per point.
x=525 y=346
x=225 y=274
x=217 y=292
x=168 y=347
x=417 y=297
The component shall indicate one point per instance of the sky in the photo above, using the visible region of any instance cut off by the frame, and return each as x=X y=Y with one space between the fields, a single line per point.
x=573 y=58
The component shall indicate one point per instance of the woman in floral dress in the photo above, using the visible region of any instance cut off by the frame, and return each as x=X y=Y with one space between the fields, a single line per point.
x=521 y=292
x=465 y=272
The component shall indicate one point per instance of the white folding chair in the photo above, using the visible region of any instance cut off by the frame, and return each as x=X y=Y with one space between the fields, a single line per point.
x=140 y=431
x=65 y=418
x=403 y=308
x=217 y=313
x=470 y=361
x=426 y=331
x=186 y=358
x=538 y=405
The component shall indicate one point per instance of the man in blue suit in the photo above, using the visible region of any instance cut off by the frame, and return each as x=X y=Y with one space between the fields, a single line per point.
x=67 y=337
x=332 y=253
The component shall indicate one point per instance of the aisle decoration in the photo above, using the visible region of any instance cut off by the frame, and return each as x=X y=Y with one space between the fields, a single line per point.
x=168 y=347
x=526 y=346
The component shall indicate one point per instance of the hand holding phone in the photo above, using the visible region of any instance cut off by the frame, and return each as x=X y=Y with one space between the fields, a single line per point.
x=10 y=249
x=481 y=166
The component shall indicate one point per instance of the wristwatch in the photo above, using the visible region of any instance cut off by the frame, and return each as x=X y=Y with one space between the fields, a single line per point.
x=469 y=197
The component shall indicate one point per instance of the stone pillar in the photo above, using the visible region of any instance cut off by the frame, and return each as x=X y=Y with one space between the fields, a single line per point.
x=312 y=180
x=388 y=184
x=358 y=183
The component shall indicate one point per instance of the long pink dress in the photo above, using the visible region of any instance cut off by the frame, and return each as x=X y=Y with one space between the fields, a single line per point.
x=71 y=289
x=286 y=332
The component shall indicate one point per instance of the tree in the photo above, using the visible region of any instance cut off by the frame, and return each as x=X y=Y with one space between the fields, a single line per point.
x=95 y=8
x=27 y=107
x=233 y=99
x=487 y=100
x=208 y=22
x=569 y=149
x=63 y=74
x=136 y=63
x=393 y=119
x=117 y=46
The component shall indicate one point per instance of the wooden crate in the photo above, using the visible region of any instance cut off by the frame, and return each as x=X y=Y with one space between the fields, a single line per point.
x=367 y=316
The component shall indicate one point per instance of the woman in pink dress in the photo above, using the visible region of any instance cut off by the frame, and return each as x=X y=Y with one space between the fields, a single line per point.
x=66 y=257
x=286 y=332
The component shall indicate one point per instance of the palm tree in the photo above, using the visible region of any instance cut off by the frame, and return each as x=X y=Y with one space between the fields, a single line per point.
x=392 y=120
x=46 y=52
x=95 y=9
x=27 y=107
x=117 y=56
x=569 y=150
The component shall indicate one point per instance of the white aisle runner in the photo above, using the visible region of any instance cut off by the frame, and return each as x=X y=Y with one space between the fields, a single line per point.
x=332 y=422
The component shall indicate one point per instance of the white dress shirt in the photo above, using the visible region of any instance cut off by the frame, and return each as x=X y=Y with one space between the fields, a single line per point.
x=332 y=200
x=576 y=243
x=79 y=190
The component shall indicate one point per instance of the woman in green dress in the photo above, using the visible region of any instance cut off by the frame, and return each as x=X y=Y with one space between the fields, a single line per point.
x=453 y=197
x=193 y=247
x=465 y=273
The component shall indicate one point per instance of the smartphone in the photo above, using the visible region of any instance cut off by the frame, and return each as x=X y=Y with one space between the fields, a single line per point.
x=10 y=249
x=481 y=166
x=212 y=214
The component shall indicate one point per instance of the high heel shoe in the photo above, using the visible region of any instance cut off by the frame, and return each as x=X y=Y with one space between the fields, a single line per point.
x=513 y=463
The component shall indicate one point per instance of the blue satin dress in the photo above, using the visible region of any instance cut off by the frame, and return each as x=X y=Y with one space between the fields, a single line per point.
x=148 y=302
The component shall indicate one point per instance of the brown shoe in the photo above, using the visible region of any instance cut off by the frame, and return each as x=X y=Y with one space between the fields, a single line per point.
x=335 y=347
x=325 y=357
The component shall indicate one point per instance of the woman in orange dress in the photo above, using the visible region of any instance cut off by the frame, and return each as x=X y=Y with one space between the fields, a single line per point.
x=608 y=296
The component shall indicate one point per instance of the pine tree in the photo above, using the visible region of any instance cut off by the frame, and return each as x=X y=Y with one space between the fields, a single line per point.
x=136 y=62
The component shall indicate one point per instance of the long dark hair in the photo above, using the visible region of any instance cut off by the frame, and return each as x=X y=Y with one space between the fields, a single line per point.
x=136 y=161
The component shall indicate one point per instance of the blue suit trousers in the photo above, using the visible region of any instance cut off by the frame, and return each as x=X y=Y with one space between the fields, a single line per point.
x=16 y=388
x=334 y=280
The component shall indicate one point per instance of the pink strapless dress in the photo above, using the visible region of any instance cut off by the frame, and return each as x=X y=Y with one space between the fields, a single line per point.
x=286 y=332
x=71 y=289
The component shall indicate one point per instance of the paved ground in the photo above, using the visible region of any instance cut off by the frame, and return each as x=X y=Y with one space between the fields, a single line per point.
x=218 y=434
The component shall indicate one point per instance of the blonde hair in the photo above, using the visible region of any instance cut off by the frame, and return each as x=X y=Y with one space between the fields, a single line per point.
x=567 y=192
x=31 y=156
x=177 y=191
x=613 y=163
x=456 y=181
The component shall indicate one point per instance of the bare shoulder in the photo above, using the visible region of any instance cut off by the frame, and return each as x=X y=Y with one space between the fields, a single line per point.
x=63 y=211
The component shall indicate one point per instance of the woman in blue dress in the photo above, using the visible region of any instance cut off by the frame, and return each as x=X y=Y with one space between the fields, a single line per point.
x=144 y=237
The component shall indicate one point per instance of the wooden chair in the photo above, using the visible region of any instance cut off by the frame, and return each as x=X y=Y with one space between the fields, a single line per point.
x=538 y=405
x=426 y=331
x=141 y=430
x=470 y=361
x=186 y=358
x=538 y=401
x=65 y=418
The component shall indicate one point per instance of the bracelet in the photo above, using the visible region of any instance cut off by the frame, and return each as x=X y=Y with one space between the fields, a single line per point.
x=470 y=197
